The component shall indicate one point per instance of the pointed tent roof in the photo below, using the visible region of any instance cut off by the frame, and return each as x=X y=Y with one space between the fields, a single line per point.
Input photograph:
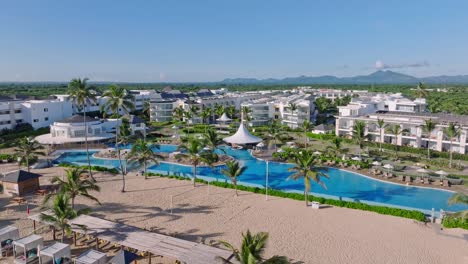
x=242 y=136
x=123 y=257
x=224 y=118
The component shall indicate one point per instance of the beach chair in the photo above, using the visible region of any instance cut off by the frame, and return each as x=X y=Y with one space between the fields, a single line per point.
x=446 y=183
x=389 y=175
x=437 y=182
x=418 y=180
x=407 y=179
x=358 y=167
x=426 y=181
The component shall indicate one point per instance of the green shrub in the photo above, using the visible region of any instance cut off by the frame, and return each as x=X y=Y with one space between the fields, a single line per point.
x=93 y=168
x=411 y=214
x=8 y=157
x=454 y=222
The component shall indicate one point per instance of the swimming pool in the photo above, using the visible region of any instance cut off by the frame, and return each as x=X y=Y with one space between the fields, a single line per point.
x=341 y=185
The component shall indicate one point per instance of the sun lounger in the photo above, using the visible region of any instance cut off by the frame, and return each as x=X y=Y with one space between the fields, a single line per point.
x=426 y=181
x=389 y=175
x=418 y=180
x=438 y=183
x=358 y=167
x=407 y=179
x=400 y=178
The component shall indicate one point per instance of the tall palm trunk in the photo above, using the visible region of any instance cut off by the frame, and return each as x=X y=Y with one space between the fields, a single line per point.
x=428 y=151
x=306 y=198
x=27 y=162
x=380 y=140
x=73 y=202
x=450 y=162
x=120 y=158
x=86 y=144
x=305 y=139
x=144 y=169
x=63 y=234
x=194 y=174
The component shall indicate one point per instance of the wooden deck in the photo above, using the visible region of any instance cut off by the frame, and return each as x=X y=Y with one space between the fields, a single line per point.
x=157 y=244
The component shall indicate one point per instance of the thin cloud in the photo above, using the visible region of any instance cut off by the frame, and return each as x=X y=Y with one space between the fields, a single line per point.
x=380 y=65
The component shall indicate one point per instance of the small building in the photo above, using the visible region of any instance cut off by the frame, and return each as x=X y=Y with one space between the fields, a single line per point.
x=323 y=129
x=20 y=182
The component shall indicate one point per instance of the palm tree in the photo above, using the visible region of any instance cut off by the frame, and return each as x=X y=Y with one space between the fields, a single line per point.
x=381 y=125
x=246 y=113
x=305 y=166
x=232 y=171
x=193 y=150
x=231 y=111
x=205 y=114
x=178 y=113
x=124 y=139
x=146 y=109
x=306 y=125
x=396 y=130
x=61 y=212
x=420 y=90
x=75 y=185
x=292 y=107
x=82 y=95
x=428 y=127
x=194 y=111
x=459 y=198
x=359 y=133
x=252 y=249
x=142 y=153
x=323 y=104
x=27 y=149
x=275 y=133
x=452 y=131
x=118 y=99
x=336 y=147
x=212 y=139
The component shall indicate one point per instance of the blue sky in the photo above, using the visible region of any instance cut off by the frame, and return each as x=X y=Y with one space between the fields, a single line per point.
x=153 y=41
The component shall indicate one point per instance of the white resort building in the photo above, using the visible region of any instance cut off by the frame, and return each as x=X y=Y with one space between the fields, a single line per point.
x=410 y=115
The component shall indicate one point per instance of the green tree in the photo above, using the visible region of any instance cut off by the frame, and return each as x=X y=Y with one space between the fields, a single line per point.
x=305 y=167
x=27 y=149
x=252 y=250
x=359 y=133
x=275 y=134
x=82 y=95
x=323 y=104
x=212 y=139
x=146 y=109
x=75 y=185
x=427 y=128
x=205 y=114
x=232 y=171
x=452 y=131
x=178 y=113
x=61 y=212
x=306 y=126
x=292 y=107
x=396 y=130
x=459 y=198
x=381 y=125
x=143 y=153
x=420 y=90
x=337 y=147
x=219 y=110
x=246 y=113
x=231 y=111
x=118 y=100
x=193 y=150
x=124 y=140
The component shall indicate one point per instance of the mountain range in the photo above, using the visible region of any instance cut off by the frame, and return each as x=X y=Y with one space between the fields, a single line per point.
x=378 y=77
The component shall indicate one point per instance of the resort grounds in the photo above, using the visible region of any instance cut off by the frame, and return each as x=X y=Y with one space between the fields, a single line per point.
x=207 y=214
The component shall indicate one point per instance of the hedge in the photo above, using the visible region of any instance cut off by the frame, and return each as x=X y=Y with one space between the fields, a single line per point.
x=93 y=168
x=454 y=222
x=411 y=214
x=8 y=157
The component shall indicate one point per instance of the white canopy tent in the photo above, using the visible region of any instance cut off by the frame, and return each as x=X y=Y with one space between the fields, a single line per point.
x=92 y=257
x=376 y=163
x=224 y=118
x=56 y=252
x=123 y=257
x=26 y=247
x=7 y=235
x=242 y=137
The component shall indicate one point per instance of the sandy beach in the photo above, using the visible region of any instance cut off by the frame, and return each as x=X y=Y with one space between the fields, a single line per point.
x=208 y=214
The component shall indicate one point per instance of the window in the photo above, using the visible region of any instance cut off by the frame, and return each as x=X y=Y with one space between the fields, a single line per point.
x=36 y=120
x=46 y=109
x=46 y=119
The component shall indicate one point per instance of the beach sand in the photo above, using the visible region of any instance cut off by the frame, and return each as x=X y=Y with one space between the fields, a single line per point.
x=208 y=214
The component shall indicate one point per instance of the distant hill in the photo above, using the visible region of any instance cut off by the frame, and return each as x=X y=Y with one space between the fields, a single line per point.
x=378 y=77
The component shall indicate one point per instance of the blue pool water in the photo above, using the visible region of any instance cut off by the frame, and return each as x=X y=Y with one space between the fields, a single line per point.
x=341 y=185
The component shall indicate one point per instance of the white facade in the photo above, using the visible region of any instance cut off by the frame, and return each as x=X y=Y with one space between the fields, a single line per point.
x=42 y=113
x=10 y=114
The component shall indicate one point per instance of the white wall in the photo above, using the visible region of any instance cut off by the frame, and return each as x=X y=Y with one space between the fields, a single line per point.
x=44 y=113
